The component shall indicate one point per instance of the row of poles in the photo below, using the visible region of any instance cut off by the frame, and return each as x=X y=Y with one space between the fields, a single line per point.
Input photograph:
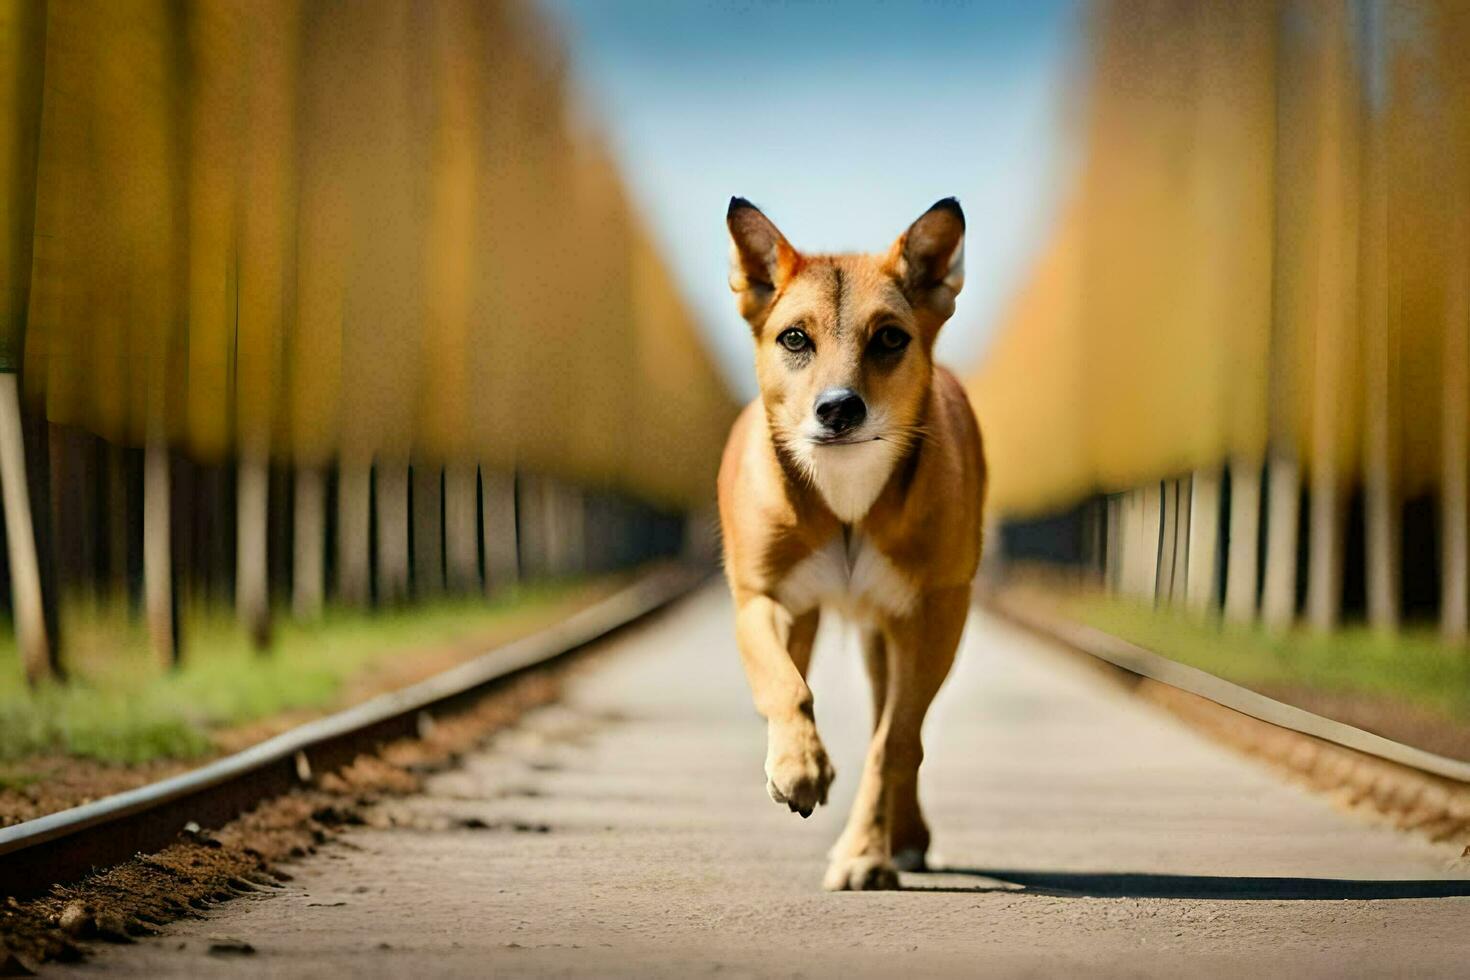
x=1265 y=269
x=1233 y=543
x=156 y=530
x=355 y=269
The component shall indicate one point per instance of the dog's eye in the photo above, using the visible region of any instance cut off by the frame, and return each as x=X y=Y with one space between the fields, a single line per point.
x=890 y=339
x=794 y=340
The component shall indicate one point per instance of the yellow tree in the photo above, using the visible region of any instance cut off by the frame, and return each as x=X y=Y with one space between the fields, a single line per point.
x=140 y=299
x=381 y=314
x=451 y=252
x=23 y=55
x=314 y=345
x=266 y=205
x=1334 y=308
x=673 y=381
x=1453 y=32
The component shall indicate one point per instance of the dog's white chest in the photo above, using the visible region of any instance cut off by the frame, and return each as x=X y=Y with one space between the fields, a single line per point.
x=850 y=574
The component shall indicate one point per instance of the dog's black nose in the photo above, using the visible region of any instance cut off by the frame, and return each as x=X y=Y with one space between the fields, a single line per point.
x=840 y=409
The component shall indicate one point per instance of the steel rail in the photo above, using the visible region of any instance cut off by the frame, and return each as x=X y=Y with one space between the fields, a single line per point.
x=1143 y=662
x=64 y=846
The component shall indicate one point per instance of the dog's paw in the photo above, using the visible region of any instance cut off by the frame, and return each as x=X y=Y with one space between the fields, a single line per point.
x=860 y=873
x=798 y=772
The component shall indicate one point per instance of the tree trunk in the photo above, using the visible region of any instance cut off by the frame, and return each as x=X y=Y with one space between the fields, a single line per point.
x=308 y=543
x=1333 y=323
x=252 y=513
x=1324 y=556
x=1178 y=589
x=278 y=524
x=25 y=574
x=1151 y=523
x=1113 y=561
x=1204 y=540
x=1381 y=515
x=391 y=493
x=1245 y=529
x=158 y=584
x=1120 y=544
x=566 y=528
x=1278 y=599
x=1135 y=547
x=530 y=497
x=1127 y=542
x=1168 y=534
x=354 y=531
x=502 y=547
x=428 y=531
x=36 y=433
x=461 y=528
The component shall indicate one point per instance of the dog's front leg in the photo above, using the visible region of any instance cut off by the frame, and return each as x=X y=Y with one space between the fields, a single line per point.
x=775 y=648
x=920 y=650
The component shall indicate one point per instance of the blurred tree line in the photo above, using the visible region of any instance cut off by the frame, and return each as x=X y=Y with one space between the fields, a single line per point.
x=1250 y=331
x=303 y=292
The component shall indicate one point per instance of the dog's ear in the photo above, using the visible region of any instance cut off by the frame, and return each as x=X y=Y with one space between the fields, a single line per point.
x=929 y=259
x=761 y=260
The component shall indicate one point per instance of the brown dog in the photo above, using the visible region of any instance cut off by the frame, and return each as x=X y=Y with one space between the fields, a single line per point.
x=856 y=481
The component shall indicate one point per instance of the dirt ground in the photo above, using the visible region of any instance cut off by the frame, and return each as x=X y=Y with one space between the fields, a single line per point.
x=205 y=867
x=625 y=831
x=39 y=785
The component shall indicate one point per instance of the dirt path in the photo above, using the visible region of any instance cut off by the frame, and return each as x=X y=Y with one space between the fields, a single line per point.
x=627 y=832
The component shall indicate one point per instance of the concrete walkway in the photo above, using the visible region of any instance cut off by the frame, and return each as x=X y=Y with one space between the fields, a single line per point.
x=629 y=834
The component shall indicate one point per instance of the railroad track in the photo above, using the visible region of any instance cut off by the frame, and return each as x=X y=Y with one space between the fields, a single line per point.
x=1412 y=788
x=62 y=847
x=65 y=846
x=1142 y=662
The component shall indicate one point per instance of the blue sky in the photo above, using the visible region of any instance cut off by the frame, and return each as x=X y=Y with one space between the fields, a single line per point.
x=843 y=121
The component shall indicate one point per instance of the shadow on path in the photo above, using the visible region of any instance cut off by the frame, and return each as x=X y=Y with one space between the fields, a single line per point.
x=1125 y=884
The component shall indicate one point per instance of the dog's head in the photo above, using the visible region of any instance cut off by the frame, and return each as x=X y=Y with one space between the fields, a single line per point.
x=844 y=343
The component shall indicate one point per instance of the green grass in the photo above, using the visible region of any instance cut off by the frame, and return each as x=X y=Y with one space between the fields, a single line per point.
x=19 y=780
x=1414 y=666
x=120 y=706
